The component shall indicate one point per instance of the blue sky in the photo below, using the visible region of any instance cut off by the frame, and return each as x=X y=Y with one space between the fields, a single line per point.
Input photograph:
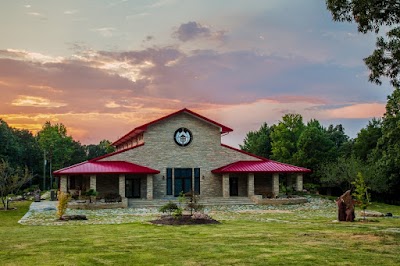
x=105 y=67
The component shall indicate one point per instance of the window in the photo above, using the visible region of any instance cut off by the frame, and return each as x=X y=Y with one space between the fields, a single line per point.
x=169 y=181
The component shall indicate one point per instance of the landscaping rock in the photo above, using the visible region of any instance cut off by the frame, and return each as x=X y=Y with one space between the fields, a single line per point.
x=372 y=214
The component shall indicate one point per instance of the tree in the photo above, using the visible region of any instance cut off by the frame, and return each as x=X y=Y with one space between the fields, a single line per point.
x=10 y=150
x=56 y=145
x=314 y=146
x=258 y=142
x=11 y=180
x=361 y=193
x=285 y=136
x=372 y=16
x=386 y=155
x=340 y=173
x=104 y=147
x=367 y=139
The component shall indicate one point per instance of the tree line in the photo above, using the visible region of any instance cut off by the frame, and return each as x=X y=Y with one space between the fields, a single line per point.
x=334 y=158
x=48 y=150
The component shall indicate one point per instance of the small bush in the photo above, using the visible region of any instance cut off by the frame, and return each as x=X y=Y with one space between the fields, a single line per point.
x=177 y=213
x=63 y=199
x=168 y=208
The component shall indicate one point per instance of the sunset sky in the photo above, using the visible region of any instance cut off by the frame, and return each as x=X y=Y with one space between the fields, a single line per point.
x=103 y=68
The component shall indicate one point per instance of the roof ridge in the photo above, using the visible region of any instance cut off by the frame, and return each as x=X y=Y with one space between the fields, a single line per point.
x=224 y=129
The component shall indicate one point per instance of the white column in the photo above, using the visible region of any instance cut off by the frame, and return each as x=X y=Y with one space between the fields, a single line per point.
x=63 y=183
x=250 y=184
x=121 y=189
x=150 y=187
x=299 y=182
x=275 y=184
x=93 y=182
x=225 y=185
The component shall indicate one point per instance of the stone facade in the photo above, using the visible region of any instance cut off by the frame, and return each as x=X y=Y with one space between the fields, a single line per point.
x=205 y=152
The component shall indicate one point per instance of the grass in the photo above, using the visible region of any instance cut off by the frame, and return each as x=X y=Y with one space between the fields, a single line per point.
x=295 y=237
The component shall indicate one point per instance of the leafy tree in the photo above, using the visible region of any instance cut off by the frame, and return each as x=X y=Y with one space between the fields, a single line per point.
x=373 y=16
x=339 y=138
x=104 y=147
x=259 y=142
x=54 y=141
x=340 y=173
x=314 y=146
x=30 y=153
x=10 y=149
x=11 y=180
x=367 y=139
x=361 y=193
x=285 y=136
x=386 y=155
x=78 y=153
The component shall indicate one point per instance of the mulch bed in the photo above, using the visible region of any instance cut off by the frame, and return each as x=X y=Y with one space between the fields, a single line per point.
x=184 y=220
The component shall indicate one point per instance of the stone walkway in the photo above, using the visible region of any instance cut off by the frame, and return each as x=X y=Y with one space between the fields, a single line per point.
x=41 y=206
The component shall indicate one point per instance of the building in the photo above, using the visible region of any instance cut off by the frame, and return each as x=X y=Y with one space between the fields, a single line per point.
x=179 y=152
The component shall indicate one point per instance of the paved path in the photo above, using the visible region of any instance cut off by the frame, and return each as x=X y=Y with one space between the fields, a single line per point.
x=41 y=206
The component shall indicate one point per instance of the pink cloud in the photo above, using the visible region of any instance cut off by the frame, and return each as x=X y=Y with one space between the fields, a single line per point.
x=362 y=110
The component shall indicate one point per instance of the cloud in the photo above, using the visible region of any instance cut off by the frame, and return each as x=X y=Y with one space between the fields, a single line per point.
x=105 y=31
x=25 y=100
x=71 y=12
x=362 y=110
x=192 y=30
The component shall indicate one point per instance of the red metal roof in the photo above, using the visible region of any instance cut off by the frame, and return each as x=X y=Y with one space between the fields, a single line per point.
x=266 y=166
x=142 y=128
x=105 y=167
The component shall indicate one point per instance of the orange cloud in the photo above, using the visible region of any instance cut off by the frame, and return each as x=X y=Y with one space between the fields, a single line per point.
x=32 y=101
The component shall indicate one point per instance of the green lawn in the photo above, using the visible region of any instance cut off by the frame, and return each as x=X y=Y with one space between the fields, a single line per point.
x=297 y=237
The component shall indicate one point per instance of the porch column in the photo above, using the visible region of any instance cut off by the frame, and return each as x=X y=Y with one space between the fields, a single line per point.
x=93 y=182
x=250 y=185
x=150 y=187
x=299 y=182
x=225 y=185
x=275 y=184
x=63 y=183
x=121 y=189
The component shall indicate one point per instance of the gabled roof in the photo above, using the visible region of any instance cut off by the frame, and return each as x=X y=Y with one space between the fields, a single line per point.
x=266 y=166
x=142 y=128
x=105 y=167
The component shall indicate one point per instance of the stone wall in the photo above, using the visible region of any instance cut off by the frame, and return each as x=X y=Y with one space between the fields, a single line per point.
x=107 y=184
x=205 y=152
x=262 y=184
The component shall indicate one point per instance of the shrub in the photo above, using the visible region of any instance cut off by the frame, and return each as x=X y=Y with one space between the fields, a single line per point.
x=63 y=199
x=168 y=208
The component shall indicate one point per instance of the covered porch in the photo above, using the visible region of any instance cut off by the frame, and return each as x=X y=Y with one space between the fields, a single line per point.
x=259 y=178
x=109 y=179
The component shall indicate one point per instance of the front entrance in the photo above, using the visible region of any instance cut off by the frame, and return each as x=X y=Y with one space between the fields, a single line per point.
x=183 y=180
x=132 y=188
x=233 y=186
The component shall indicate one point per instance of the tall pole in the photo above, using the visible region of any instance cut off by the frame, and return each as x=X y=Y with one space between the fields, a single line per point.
x=44 y=170
x=51 y=178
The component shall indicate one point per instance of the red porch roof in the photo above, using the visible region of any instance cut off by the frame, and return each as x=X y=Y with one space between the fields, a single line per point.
x=105 y=167
x=142 y=128
x=267 y=166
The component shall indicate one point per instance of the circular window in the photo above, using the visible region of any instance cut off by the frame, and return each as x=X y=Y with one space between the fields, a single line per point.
x=183 y=136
